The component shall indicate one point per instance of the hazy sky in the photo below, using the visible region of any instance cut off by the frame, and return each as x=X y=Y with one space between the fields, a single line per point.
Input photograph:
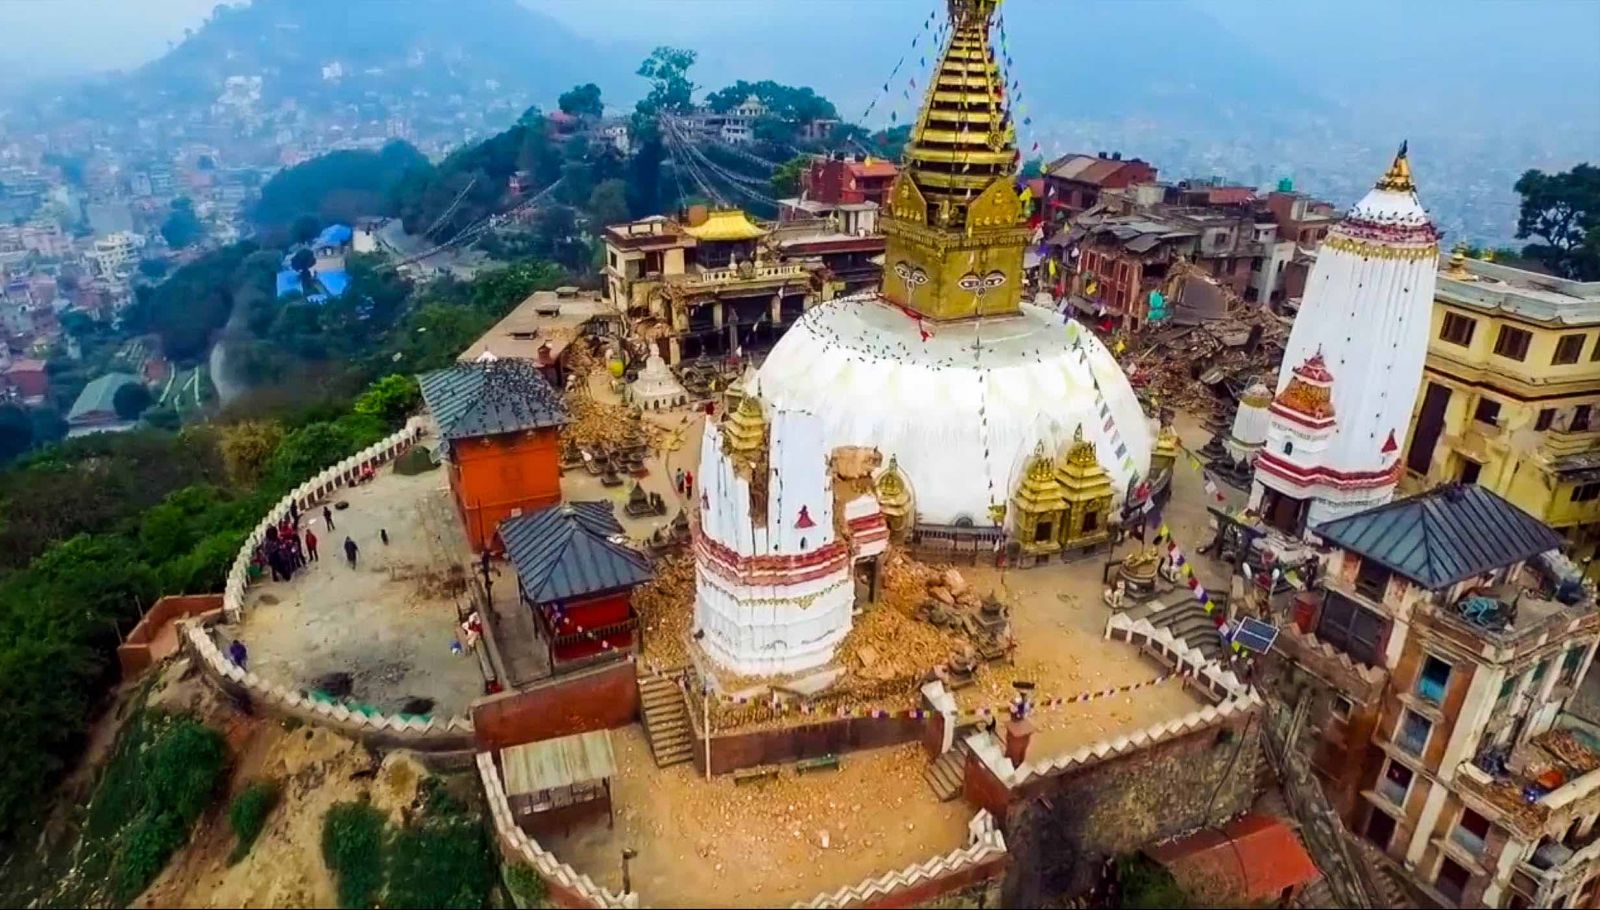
x=1475 y=57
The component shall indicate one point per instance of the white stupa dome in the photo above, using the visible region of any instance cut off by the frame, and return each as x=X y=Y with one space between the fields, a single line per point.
x=959 y=408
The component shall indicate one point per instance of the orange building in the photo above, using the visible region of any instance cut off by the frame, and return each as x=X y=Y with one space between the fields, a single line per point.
x=500 y=422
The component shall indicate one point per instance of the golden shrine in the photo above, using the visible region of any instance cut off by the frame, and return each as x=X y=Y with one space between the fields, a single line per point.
x=1165 y=453
x=954 y=222
x=1062 y=503
x=894 y=500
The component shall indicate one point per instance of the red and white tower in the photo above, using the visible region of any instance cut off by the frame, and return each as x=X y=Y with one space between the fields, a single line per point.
x=1359 y=340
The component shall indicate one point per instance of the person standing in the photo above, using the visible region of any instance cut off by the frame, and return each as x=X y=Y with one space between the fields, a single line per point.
x=327 y=516
x=238 y=654
x=678 y=481
x=311 y=545
x=688 y=484
x=350 y=551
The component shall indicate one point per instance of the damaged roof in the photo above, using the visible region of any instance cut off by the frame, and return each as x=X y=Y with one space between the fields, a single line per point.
x=489 y=397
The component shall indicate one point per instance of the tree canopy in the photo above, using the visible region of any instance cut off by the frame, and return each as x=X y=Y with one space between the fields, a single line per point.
x=667 y=68
x=582 y=101
x=1563 y=212
x=131 y=400
x=337 y=187
x=792 y=104
x=182 y=228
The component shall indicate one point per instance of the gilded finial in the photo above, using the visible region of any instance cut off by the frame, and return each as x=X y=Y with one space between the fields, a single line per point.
x=1397 y=178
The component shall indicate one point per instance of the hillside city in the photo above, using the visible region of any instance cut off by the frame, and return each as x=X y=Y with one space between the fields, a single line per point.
x=429 y=479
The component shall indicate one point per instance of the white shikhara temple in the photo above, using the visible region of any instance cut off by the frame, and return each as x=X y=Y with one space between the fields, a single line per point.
x=774 y=579
x=1353 y=363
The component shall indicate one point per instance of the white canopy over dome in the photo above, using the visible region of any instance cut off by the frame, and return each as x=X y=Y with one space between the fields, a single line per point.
x=961 y=406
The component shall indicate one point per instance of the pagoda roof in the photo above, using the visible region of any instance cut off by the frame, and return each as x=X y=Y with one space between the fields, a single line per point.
x=490 y=397
x=726 y=225
x=571 y=550
x=1448 y=534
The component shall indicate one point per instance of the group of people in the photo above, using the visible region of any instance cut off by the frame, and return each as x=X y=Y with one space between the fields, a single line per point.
x=685 y=482
x=285 y=551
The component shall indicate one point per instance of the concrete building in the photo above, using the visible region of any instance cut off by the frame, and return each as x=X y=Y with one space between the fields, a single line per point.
x=842 y=187
x=710 y=284
x=1510 y=392
x=1431 y=666
x=115 y=255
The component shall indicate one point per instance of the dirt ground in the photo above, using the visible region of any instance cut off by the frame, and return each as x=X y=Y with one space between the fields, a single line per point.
x=761 y=844
x=390 y=620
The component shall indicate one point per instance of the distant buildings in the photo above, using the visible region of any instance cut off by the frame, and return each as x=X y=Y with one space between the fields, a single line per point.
x=115 y=255
x=1510 y=394
x=1073 y=183
x=844 y=189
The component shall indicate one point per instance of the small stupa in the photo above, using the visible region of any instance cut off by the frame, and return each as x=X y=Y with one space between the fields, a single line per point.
x=657 y=389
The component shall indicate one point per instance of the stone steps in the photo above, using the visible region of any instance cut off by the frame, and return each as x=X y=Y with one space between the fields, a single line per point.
x=944 y=774
x=666 y=720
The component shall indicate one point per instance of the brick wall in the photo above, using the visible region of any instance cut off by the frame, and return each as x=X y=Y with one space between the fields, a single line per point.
x=765 y=747
x=598 y=698
x=1061 y=828
x=146 y=646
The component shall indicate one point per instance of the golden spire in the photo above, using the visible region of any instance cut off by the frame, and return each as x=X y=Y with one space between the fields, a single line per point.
x=955 y=224
x=1397 y=178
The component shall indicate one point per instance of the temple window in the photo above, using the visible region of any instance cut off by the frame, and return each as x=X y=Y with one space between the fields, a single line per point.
x=1457 y=329
x=1041 y=532
x=1371 y=579
x=1288 y=447
x=1512 y=343
x=1350 y=628
x=1090 y=522
x=1568 y=347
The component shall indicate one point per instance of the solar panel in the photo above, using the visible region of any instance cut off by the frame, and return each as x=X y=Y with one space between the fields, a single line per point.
x=1255 y=635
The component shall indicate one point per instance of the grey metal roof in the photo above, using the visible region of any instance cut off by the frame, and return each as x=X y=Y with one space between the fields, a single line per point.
x=1443 y=536
x=567 y=551
x=490 y=397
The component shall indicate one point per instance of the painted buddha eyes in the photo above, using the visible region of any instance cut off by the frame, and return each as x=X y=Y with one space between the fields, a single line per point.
x=973 y=283
x=910 y=274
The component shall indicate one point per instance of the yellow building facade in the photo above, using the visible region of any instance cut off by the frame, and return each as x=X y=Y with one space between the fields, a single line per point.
x=1510 y=398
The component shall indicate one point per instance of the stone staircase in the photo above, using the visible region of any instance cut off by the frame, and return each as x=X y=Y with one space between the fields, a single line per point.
x=1185 y=619
x=944 y=773
x=666 y=719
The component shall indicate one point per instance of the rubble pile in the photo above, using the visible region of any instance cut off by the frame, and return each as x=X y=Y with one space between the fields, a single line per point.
x=1203 y=368
x=666 y=611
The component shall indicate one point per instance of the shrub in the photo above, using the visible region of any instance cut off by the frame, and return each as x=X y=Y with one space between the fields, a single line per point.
x=527 y=888
x=248 y=814
x=143 y=850
x=183 y=768
x=352 y=846
x=440 y=862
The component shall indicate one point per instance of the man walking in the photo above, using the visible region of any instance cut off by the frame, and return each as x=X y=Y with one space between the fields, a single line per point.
x=327 y=516
x=350 y=551
x=311 y=545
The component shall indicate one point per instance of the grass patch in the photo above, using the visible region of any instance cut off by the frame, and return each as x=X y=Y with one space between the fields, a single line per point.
x=526 y=887
x=248 y=815
x=352 y=846
x=1148 y=886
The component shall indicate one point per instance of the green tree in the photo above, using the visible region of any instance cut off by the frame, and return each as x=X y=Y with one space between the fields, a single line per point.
x=182 y=227
x=131 y=400
x=667 y=68
x=337 y=187
x=391 y=399
x=1033 y=167
x=305 y=229
x=582 y=101
x=16 y=431
x=786 y=179
x=608 y=204
x=152 y=268
x=1563 y=211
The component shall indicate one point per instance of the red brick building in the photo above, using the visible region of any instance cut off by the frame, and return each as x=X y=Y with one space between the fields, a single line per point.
x=1073 y=183
x=839 y=181
x=500 y=422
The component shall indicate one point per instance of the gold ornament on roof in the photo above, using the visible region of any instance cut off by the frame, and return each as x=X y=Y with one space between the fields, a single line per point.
x=1397 y=179
x=1081 y=454
x=1307 y=399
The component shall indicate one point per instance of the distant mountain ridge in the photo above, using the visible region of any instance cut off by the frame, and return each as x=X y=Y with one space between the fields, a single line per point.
x=328 y=54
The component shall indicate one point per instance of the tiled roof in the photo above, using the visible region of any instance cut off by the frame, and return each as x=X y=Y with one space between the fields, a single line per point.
x=567 y=551
x=1251 y=859
x=491 y=397
x=100 y=395
x=1443 y=536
